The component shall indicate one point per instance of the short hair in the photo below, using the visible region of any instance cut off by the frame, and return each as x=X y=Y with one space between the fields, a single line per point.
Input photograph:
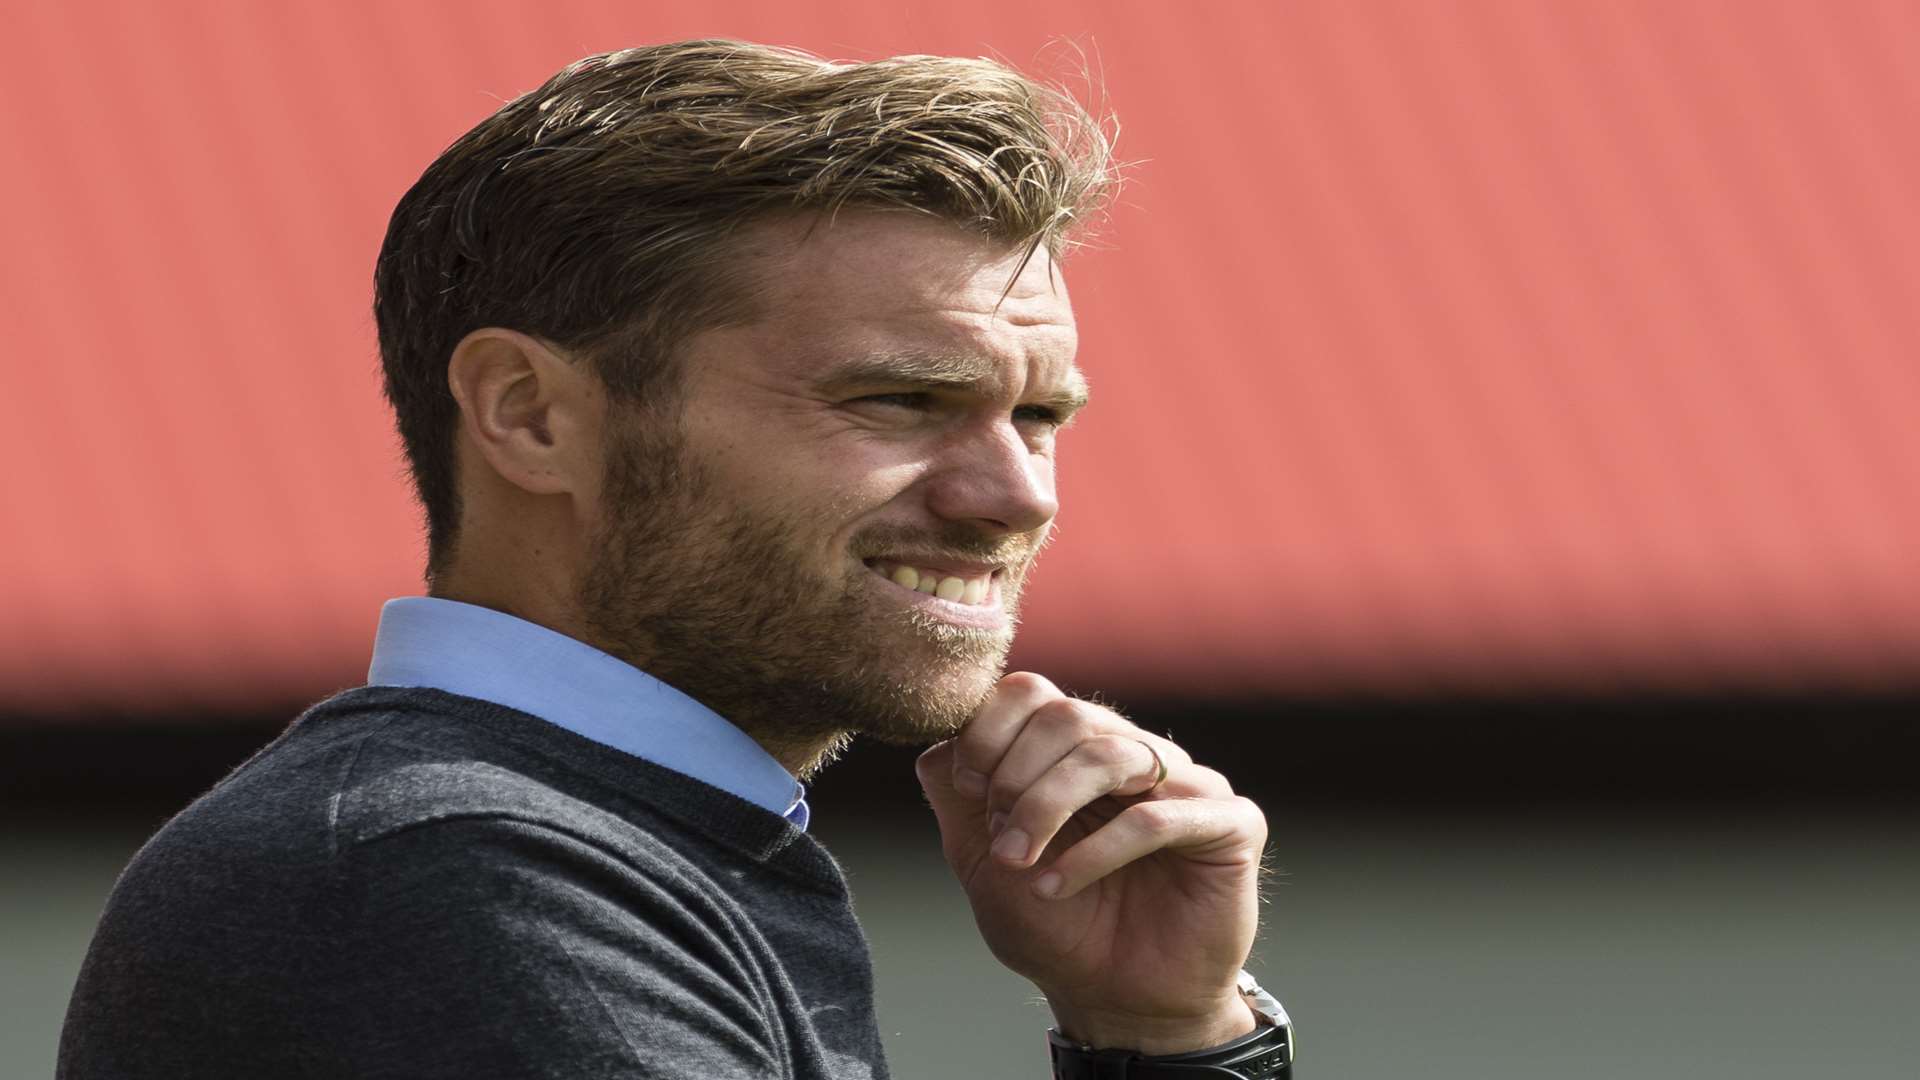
x=594 y=212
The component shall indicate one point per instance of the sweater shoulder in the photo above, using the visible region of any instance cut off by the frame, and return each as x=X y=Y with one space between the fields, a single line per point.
x=415 y=757
x=415 y=769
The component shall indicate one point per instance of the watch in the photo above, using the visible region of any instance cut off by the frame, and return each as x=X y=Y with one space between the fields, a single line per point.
x=1266 y=1054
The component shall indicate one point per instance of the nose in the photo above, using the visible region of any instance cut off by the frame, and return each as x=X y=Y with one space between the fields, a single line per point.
x=989 y=476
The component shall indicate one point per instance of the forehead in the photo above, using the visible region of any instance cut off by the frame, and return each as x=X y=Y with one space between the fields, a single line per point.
x=871 y=283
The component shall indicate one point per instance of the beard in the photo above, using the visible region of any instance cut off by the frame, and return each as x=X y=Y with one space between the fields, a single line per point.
x=718 y=600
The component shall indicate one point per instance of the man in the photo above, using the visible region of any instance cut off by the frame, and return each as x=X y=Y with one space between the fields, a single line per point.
x=732 y=383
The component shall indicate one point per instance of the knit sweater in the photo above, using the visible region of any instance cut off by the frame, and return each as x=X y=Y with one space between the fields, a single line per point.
x=412 y=883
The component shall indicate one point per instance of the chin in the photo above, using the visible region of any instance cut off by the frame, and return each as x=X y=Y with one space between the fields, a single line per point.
x=919 y=710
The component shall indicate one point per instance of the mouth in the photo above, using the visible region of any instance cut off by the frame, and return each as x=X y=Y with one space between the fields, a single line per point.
x=939 y=583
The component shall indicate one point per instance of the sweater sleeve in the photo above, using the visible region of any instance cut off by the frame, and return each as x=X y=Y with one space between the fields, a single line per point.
x=493 y=946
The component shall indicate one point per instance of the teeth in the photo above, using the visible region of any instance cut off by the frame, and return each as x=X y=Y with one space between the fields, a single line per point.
x=960 y=590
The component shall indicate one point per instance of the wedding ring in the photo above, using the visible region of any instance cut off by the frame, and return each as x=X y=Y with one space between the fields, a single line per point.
x=1157 y=763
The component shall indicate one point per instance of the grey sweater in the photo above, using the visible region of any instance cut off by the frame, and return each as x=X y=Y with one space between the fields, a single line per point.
x=411 y=883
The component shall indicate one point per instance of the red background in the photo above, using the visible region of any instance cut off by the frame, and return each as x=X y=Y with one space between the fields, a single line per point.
x=1438 y=347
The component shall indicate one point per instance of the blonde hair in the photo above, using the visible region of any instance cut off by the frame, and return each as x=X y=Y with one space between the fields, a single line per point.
x=595 y=211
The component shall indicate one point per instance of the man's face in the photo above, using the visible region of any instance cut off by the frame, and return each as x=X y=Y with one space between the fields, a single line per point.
x=835 y=534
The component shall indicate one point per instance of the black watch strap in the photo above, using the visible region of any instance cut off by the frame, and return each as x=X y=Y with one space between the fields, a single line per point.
x=1267 y=1054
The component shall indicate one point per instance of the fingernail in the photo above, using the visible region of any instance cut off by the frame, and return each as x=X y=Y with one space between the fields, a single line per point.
x=1011 y=845
x=995 y=823
x=1047 y=884
x=970 y=783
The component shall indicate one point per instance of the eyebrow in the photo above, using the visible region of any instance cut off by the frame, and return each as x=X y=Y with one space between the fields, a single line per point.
x=941 y=371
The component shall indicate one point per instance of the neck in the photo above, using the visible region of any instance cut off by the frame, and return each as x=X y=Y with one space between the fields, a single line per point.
x=801 y=749
x=804 y=758
x=514 y=595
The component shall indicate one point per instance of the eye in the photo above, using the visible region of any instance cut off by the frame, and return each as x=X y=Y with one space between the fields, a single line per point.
x=905 y=400
x=1038 y=414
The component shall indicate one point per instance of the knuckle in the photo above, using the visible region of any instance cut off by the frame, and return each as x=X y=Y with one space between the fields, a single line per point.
x=1026 y=682
x=1037 y=808
x=1003 y=793
x=1152 y=817
x=1109 y=751
x=1060 y=712
x=1083 y=720
x=1254 y=818
x=1212 y=779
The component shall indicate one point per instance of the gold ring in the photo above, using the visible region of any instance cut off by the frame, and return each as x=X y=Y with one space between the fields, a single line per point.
x=1158 y=764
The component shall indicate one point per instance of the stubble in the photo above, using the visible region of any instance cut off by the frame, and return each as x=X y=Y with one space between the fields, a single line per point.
x=715 y=601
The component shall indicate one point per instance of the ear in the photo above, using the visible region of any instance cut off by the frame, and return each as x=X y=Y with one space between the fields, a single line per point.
x=532 y=414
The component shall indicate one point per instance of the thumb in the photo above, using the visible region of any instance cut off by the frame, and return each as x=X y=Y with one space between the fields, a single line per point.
x=962 y=818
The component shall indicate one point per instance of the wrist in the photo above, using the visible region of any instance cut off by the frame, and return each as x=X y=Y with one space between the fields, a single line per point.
x=1104 y=1029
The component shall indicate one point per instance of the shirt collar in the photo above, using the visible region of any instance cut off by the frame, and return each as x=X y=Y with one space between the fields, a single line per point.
x=481 y=653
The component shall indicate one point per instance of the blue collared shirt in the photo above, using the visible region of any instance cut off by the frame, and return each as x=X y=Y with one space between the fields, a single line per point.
x=481 y=653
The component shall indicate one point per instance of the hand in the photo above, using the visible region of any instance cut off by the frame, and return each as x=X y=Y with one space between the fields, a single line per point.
x=1131 y=905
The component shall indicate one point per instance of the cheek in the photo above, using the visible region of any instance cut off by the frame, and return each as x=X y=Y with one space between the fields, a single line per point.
x=824 y=492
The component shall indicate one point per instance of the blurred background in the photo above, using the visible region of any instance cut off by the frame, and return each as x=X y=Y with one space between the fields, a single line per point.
x=1504 y=466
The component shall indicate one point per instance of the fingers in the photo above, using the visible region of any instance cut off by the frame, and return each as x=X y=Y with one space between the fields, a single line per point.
x=1068 y=733
x=934 y=767
x=1096 y=766
x=1100 y=767
x=1233 y=829
x=1037 y=758
x=959 y=816
x=985 y=740
x=1026 y=728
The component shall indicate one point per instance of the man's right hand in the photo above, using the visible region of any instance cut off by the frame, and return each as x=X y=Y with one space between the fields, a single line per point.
x=1131 y=904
